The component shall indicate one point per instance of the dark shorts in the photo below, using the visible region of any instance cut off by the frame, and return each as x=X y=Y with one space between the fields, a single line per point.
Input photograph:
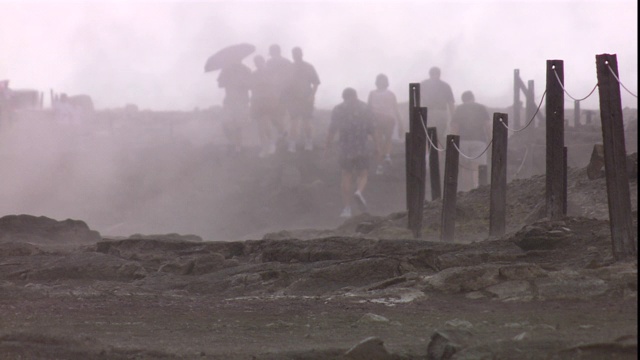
x=354 y=164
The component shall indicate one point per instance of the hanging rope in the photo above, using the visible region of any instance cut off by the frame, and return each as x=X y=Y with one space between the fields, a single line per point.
x=426 y=133
x=469 y=157
x=620 y=82
x=530 y=120
x=566 y=92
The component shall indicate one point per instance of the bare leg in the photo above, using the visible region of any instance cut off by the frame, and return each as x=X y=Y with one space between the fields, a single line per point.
x=361 y=181
x=346 y=188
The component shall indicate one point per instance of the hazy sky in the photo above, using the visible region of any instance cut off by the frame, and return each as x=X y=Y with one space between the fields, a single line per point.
x=152 y=53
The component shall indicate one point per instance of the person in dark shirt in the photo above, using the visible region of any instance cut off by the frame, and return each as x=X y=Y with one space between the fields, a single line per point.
x=279 y=70
x=353 y=121
x=437 y=96
x=472 y=123
x=300 y=99
x=265 y=107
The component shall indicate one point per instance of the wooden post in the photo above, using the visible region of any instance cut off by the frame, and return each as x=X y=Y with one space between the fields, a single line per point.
x=555 y=196
x=623 y=236
x=531 y=101
x=419 y=144
x=576 y=114
x=407 y=167
x=417 y=162
x=452 y=156
x=516 y=97
x=498 y=196
x=483 y=176
x=564 y=180
x=434 y=165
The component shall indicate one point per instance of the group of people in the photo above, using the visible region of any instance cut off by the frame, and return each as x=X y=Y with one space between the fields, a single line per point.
x=279 y=90
x=470 y=120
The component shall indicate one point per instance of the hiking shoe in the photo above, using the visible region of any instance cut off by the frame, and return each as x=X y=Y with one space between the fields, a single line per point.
x=379 y=170
x=362 y=203
x=346 y=212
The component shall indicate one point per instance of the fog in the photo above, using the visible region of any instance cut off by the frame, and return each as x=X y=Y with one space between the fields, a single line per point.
x=124 y=180
x=152 y=53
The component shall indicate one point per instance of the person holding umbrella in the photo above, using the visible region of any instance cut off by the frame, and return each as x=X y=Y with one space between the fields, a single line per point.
x=235 y=79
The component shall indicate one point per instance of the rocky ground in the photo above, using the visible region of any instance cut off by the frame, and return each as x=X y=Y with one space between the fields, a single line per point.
x=364 y=289
x=175 y=249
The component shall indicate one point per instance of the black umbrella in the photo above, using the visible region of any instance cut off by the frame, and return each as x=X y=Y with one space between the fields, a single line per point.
x=227 y=56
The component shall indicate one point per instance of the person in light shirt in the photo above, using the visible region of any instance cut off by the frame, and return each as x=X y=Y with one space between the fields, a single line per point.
x=384 y=105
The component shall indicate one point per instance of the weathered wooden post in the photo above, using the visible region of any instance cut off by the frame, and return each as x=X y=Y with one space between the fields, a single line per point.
x=516 y=97
x=530 y=107
x=407 y=166
x=414 y=102
x=498 y=196
x=434 y=164
x=451 y=162
x=576 y=114
x=623 y=236
x=555 y=194
x=417 y=161
x=564 y=179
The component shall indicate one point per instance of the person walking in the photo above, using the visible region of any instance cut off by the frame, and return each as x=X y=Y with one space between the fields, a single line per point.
x=471 y=121
x=352 y=120
x=300 y=96
x=384 y=104
x=265 y=107
x=437 y=96
x=279 y=70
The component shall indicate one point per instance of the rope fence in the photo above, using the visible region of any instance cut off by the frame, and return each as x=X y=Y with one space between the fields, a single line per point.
x=566 y=92
x=620 y=82
x=529 y=122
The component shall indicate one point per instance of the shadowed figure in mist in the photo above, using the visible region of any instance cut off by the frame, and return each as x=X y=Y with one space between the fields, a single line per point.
x=471 y=121
x=384 y=104
x=266 y=109
x=279 y=70
x=437 y=97
x=235 y=79
x=353 y=121
x=301 y=94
